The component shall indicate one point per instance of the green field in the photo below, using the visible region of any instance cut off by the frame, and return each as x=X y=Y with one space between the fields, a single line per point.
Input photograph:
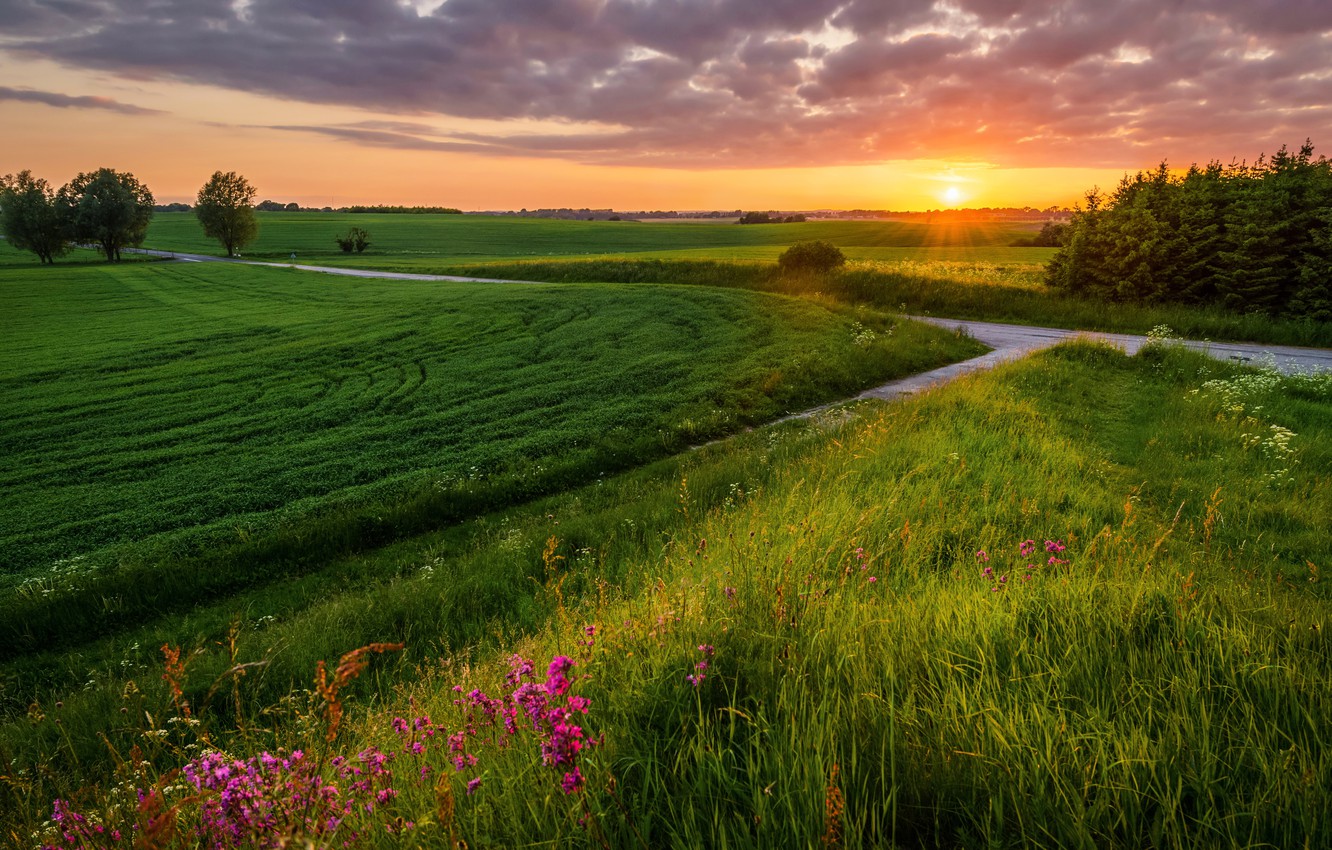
x=1164 y=684
x=474 y=238
x=152 y=398
x=10 y=256
x=1079 y=601
x=959 y=270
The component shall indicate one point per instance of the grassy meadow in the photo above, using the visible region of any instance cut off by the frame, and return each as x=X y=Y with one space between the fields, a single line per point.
x=250 y=422
x=1075 y=602
x=297 y=560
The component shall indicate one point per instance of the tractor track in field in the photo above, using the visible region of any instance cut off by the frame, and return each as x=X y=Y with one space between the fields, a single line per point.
x=1007 y=341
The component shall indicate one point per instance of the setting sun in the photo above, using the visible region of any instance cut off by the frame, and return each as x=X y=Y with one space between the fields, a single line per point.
x=952 y=195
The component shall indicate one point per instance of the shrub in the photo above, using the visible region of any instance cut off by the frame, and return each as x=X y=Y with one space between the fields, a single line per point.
x=356 y=240
x=817 y=257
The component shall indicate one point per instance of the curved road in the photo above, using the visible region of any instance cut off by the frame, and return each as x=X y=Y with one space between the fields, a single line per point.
x=1009 y=342
x=1013 y=341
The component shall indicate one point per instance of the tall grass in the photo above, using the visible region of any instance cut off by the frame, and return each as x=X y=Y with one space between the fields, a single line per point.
x=1061 y=605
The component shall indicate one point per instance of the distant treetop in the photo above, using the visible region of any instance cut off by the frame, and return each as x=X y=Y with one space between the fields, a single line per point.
x=384 y=208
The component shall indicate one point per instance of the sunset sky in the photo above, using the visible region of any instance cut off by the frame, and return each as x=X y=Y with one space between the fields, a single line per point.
x=670 y=104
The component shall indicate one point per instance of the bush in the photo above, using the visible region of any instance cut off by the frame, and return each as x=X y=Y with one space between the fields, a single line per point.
x=816 y=257
x=356 y=240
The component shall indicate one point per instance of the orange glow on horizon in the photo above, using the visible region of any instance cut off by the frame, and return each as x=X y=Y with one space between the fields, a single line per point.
x=174 y=149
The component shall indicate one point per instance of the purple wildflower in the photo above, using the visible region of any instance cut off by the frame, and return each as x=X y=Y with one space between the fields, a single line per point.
x=572 y=781
x=557 y=684
x=519 y=668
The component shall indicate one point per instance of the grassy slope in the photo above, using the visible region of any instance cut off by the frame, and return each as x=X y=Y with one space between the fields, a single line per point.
x=202 y=394
x=1166 y=687
x=179 y=435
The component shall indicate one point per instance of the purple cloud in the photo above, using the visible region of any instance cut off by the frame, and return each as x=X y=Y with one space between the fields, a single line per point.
x=698 y=83
x=65 y=101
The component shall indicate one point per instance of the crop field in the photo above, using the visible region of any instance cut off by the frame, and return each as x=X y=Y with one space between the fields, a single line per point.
x=467 y=238
x=155 y=398
x=960 y=270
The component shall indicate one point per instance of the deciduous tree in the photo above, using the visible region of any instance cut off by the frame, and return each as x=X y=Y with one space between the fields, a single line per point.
x=107 y=207
x=30 y=217
x=224 y=207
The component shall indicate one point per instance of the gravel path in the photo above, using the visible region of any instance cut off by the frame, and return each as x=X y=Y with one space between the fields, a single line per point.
x=1011 y=342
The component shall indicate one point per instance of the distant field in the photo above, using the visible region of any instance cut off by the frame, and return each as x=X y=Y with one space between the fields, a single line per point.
x=159 y=397
x=983 y=265
x=457 y=238
x=965 y=270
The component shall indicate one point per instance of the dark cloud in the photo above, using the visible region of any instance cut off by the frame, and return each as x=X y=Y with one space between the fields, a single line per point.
x=65 y=101
x=750 y=82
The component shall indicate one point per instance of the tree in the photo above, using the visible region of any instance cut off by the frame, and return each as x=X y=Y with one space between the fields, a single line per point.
x=30 y=218
x=816 y=257
x=224 y=208
x=107 y=207
x=356 y=240
x=1251 y=238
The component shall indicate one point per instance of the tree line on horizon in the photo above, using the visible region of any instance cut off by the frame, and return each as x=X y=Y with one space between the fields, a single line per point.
x=1246 y=237
x=771 y=217
x=395 y=209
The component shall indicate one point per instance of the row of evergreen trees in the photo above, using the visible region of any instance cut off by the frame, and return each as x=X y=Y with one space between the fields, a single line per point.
x=1252 y=238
